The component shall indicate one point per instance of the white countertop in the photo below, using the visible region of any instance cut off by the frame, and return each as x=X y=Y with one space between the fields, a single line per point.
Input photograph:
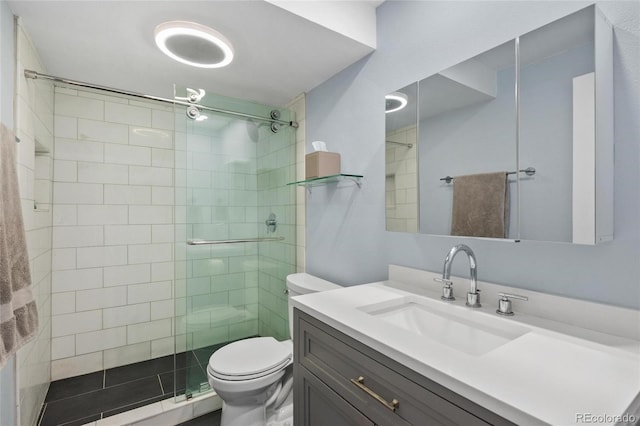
x=549 y=375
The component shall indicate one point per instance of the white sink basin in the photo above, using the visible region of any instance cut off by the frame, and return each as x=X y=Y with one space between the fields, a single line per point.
x=456 y=327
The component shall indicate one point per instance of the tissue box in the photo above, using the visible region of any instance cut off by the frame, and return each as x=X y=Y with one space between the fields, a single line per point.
x=321 y=163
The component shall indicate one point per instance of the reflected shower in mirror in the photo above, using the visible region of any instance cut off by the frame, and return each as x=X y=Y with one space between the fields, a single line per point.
x=401 y=169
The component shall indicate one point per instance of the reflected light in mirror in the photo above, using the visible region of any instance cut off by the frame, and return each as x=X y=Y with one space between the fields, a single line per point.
x=395 y=102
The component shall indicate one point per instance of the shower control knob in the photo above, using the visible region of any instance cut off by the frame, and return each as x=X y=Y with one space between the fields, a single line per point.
x=271 y=223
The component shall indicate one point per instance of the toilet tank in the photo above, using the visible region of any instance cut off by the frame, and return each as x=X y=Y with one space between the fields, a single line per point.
x=303 y=283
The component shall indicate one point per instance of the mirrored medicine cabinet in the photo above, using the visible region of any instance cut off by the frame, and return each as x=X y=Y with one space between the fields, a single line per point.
x=538 y=108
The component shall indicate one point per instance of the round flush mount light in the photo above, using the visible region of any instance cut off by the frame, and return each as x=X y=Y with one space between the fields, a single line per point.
x=395 y=102
x=194 y=44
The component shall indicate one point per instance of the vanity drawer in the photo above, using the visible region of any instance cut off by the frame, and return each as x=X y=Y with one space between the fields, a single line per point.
x=371 y=381
x=323 y=406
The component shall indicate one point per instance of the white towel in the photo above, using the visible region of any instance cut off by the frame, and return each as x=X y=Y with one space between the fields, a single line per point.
x=18 y=312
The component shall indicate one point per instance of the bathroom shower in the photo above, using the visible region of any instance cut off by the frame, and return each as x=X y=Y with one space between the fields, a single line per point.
x=231 y=175
x=198 y=224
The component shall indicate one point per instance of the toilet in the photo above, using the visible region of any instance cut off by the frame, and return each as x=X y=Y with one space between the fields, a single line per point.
x=254 y=377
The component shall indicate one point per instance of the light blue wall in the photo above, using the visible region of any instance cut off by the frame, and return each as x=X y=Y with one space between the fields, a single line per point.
x=7 y=64
x=346 y=240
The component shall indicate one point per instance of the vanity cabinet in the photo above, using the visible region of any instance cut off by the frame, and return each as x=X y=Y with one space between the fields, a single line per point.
x=340 y=381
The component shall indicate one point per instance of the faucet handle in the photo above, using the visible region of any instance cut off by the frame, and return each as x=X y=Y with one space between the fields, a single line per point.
x=446 y=282
x=504 y=304
x=447 y=290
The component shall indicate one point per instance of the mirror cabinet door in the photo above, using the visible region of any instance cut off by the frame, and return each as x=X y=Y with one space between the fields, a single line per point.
x=467 y=127
x=401 y=168
x=557 y=114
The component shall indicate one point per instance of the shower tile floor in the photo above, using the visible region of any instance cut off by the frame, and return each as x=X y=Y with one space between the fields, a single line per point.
x=94 y=396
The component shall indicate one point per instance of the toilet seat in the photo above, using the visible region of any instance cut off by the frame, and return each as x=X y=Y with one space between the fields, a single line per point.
x=238 y=361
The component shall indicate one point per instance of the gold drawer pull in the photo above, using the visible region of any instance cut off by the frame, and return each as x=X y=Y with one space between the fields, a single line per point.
x=393 y=405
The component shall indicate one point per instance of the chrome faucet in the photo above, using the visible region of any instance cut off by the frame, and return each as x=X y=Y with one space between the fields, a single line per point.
x=473 y=296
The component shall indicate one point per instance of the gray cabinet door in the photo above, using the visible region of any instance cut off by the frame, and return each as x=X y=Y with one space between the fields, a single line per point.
x=316 y=404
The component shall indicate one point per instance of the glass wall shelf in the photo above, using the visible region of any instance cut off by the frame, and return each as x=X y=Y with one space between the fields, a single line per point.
x=324 y=180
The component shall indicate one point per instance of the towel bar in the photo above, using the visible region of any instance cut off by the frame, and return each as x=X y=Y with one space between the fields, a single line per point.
x=408 y=145
x=529 y=171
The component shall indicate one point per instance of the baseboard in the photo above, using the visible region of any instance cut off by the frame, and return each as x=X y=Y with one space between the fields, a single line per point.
x=167 y=412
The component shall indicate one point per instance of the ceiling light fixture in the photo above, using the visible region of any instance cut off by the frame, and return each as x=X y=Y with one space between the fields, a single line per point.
x=194 y=44
x=395 y=102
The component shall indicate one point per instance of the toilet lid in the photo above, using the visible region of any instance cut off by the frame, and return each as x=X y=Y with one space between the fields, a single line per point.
x=249 y=358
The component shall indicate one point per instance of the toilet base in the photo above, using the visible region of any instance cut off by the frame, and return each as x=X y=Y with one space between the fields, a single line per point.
x=241 y=415
x=283 y=416
x=233 y=415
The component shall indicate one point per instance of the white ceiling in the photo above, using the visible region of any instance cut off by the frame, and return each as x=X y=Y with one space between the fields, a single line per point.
x=278 y=54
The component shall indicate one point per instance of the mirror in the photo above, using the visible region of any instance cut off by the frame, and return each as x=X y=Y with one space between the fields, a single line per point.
x=467 y=127
x=552 y=141
x=401 y=166
x=558 y=86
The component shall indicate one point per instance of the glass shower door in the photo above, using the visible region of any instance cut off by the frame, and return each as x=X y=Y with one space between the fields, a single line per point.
x=235 y=230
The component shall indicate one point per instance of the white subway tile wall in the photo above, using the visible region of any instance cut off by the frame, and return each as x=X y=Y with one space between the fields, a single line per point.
x=34 y=127
x=127 y=354
x=126 y=315
x=401 y=196
x=230 y=176
x=112 y=258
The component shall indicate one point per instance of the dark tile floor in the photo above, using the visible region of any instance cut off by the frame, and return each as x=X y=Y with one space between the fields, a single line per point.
x=211 y=419
x=82 y=399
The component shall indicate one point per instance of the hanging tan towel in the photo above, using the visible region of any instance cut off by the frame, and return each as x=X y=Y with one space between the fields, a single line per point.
x=18 y=313
x=481 y=205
